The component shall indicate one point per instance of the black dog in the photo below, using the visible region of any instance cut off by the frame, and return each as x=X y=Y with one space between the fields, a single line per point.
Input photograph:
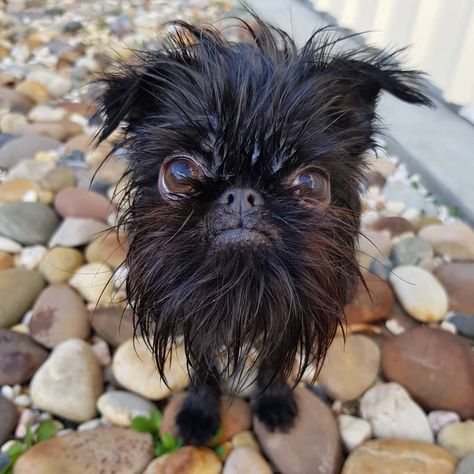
x=242 y=205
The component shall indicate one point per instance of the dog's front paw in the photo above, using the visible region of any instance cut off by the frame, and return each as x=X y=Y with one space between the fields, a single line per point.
x=276 y=409
x=197 y=420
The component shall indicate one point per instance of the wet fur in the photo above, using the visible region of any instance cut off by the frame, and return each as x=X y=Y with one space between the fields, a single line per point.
x=254 y=112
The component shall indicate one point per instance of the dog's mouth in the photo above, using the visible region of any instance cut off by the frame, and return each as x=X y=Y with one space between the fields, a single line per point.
x=242 y=236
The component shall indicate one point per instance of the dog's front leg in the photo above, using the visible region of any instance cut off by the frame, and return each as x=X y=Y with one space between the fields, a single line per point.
x=198 y=417
x=274 y=403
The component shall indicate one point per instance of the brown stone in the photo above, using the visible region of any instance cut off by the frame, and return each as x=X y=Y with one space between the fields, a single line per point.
x=80 y=202
x=435 y=366
x=103 y=450
x=113 y=324
x=396 y=456
x=6 y=260
x=80 y=142
x=188 y=460
x=11 y=99
x=394 y=224
x=20 y=356
x=312 y=445
x=59 y=314
x=110 y=248
x=8 y=417
x=33 y=90
x=458 y=281
x=371 y=302
x=60 y=131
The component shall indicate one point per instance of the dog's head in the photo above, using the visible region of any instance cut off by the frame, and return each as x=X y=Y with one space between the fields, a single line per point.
x=245 y=164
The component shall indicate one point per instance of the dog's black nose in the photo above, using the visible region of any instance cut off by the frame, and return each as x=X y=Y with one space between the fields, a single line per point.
x=240 y=200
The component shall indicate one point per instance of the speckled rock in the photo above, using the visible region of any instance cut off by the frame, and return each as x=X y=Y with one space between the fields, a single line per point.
x=28 y=223
x=351 y=367
x=134 y=368
x=20 y=357
x=312 y=445
x=396 y=456
x=105 y=450
x=69 y=382
x=59 y=314
x=420 y=293
x=422 y=360
x=18 y=290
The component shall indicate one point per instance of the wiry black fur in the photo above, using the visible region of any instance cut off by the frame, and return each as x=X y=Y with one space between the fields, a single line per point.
x=227 y=103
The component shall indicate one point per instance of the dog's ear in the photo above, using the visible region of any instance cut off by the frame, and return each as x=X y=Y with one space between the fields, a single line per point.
x=125 y=97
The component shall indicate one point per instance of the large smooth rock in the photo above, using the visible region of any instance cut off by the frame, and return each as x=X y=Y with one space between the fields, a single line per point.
x=60 y=131
x=120 y=407
x=110 y=248
x=94 y=282
x=20 y=357
x=350 y=367
x=75 y=231
x=134 y=368
x=370 y=303
x=422 y=360
x=59 y=314
x=458 y=438
x=393 y=414
x=103 y=450
x=187 y=460
x=80 y=202
x=114 y=324
x=235 y=417
x=311 y=446
x=9 y=418
x=60 y=263
x=18 y=290
x=27 y=222
x=396 y=456
x=458 y=280
x=246 y=460
x=420 y=293
x=25 y=147
x=455 y=239
x=69 y=382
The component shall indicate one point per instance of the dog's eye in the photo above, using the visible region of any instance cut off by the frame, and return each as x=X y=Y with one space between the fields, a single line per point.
x=314 y=183
x=177 y=175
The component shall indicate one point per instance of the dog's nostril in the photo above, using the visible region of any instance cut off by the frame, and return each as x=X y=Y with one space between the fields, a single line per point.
x=251 y=198
x=229 y=199
x=240 y=199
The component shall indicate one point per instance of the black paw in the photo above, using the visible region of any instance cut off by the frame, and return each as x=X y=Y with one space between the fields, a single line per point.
x=276 y=408
x=197 y=420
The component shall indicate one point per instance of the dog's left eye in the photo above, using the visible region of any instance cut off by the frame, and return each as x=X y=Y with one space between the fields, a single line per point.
x=314 y=183
x=177 y=175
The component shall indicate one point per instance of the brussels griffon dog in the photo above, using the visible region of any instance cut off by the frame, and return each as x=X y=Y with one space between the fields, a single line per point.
x=245 y=162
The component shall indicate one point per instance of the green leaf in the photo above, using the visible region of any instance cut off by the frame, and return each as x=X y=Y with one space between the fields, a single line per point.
x=215 y=439
x=159 y=450
x=28 y=437
x=16 y=449
x=142 y=424
x=220 y=451
x=169 y=441
x=155 y=418
x=46 y=430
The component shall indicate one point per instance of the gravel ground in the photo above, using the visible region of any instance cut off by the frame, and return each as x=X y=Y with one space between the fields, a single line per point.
x=397 y=397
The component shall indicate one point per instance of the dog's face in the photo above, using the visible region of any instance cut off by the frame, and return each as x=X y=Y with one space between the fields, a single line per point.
x=245 y=164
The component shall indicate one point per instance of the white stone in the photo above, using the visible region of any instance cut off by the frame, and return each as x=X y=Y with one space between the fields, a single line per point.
x=458 y=438
x=43 y=113
x=393 y=414
x=439 y=418
x=354 y=431
x=10 y=246
x=30 y=257
x=420 y=293
x=69 y=382
x=120 y=407
x=76 y=231
x=134 y=367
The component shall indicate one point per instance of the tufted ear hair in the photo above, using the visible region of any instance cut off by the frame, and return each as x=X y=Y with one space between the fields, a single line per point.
x=125 y=98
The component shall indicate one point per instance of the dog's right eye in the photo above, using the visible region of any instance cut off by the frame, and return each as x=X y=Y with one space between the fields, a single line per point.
x=177 y=176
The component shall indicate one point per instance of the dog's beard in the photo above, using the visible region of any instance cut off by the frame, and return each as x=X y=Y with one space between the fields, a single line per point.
x=281 y=300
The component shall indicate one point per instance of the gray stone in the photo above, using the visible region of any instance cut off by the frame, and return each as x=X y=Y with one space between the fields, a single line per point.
x=411 y=251
x=28 y=223
x=9 y=417
x=25 y=147
x=466 y=465
x=464 y=323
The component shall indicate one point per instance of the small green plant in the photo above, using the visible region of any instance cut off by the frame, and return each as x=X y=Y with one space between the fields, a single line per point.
x=45 y=430
x=454 y=212
x=163 y=443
